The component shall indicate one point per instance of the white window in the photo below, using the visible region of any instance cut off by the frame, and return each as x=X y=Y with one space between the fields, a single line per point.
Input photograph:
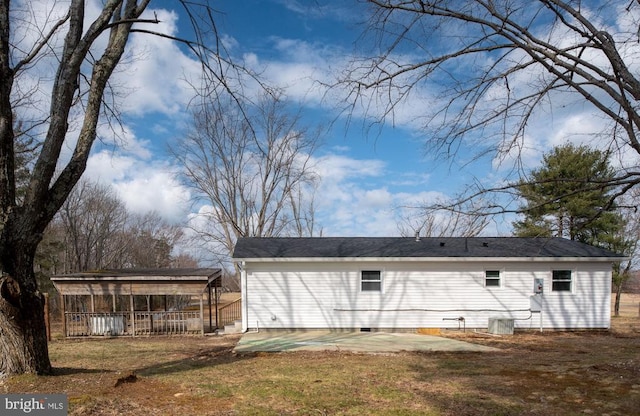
x=371 y=281
x=561 y=281
x=492 y=278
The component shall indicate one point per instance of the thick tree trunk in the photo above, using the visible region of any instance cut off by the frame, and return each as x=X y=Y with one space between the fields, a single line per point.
x=23 y=340
x=23 y=343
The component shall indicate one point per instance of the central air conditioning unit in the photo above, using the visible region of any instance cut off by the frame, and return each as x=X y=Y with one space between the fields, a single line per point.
x=501 y=326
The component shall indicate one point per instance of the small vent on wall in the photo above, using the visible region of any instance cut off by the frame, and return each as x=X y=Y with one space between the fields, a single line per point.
x=442 y=244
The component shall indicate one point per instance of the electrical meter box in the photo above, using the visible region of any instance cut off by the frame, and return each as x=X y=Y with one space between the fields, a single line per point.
x=538 y=286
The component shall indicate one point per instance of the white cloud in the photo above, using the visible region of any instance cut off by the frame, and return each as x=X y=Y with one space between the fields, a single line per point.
x=229 y=42
x=157 y=73
x=37 y=18
x=340 y=178
x=300 y=70
x=375 y=198
x=108 y=167
x=142 y=185
x=579 y=128
x=352 y=198
x=149 y=78
x=355 y=199
x=338 y=167
x=124 y=139
x=154 y=189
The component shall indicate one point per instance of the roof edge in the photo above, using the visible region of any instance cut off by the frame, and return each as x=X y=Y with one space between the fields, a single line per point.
x=424 y=259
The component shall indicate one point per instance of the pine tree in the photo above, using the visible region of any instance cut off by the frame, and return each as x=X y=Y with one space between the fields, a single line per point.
x=569 y=197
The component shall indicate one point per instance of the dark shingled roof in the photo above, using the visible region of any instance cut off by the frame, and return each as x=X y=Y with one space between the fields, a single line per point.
x=367 y=247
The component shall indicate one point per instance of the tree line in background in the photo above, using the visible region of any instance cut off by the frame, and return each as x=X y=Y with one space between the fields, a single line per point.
x=94 y=231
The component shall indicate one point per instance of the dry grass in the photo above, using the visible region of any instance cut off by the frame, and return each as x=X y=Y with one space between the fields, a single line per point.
x=549 y=373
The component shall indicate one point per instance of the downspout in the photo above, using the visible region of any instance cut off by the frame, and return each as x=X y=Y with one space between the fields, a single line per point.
x=244 y=296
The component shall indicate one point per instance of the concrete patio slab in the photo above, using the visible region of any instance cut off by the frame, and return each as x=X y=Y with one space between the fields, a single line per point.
x=372 y=342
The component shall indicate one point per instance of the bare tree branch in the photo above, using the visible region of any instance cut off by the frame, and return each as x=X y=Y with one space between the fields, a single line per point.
x=511 y=38
x=492 y=69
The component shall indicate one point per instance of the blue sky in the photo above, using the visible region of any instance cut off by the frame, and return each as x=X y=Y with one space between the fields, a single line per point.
x=366 y=173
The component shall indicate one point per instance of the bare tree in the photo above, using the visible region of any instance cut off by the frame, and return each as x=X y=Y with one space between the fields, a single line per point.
x=100 y=233
x=255 y=170
x=303 y=211
x=490 y=68
x=92 y=218
x=150 y=241
x=419 y=221
x=184 y=261
x=83 y=51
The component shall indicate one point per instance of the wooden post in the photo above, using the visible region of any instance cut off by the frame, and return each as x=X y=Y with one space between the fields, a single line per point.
x=209 y=302
x=93 y=304
x=114 y=302
x=64 y=315
x=216 y=302
x=150 y=314
x=133 y=316
x=201 y=315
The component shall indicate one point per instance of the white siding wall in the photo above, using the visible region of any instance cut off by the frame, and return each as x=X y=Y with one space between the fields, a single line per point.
x=420 y=295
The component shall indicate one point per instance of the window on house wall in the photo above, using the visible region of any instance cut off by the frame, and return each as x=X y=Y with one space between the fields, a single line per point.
x=492 y=278
x=371 y=281
x=561 y=281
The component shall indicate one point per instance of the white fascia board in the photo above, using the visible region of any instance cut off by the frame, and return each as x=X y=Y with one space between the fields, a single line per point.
x=425 y=259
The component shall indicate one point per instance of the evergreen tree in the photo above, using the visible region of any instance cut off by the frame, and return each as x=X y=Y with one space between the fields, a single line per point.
x=569 y=197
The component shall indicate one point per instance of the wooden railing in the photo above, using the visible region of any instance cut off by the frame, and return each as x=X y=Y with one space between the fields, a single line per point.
x=92 y=323
x=171 y=323
x=144 y=323
x=230 y=313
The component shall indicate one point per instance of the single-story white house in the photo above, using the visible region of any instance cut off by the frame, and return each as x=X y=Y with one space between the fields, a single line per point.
x=369 y=284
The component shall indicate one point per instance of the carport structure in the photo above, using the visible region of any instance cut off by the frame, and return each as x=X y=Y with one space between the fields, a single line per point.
x=79 y=293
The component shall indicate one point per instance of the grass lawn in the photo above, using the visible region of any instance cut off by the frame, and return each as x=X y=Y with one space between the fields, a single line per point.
x=549 y=373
